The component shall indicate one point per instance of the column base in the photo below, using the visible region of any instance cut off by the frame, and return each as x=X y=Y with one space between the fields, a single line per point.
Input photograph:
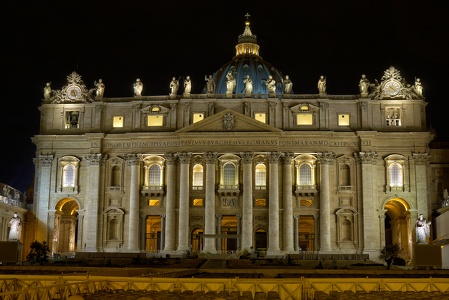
x=274 y=253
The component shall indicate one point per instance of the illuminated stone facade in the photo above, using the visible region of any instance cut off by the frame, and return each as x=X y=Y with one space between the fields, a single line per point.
x=227 y=171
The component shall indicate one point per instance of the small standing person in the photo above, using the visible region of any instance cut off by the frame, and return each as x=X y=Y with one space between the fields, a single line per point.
x=322 y=85
x=16 y=228
x=187 y=86
x=100 y=89
x=422 y=230
x=138 y=87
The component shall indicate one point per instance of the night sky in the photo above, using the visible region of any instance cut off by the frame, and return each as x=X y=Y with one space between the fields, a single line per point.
x=120 y=41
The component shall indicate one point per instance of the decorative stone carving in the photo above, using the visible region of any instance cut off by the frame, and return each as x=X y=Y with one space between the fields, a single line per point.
x=228 y=122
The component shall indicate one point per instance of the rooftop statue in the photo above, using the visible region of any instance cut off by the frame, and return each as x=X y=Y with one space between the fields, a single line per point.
x=288 y=85
x=248 y=85
x=187 y=86
x=100 y=89
x=47 y=91
x=271 y=85
x=322 y=85
x=174 y=85
x=138 y=87
x=230 y=83
x=210 y=84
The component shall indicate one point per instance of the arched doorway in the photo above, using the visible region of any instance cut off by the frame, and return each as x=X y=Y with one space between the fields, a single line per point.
x=397 y=226
x=65 y=233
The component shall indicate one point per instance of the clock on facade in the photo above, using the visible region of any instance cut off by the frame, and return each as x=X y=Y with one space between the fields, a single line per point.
x=392 y=88
x=73 y=92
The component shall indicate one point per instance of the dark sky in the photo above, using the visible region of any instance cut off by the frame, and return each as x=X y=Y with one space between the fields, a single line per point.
x=119 y=41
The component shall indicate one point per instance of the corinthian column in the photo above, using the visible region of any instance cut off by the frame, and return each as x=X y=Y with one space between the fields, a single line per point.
x=288 y=232
x=133 y=161
x=209 y=213
x=273 y=214
x=325 y=214
x=92 y=236
x=42 y=198
x=183 y=231
x=421 y=161
x=370 y=220
x=247 y=209
x=170 y=216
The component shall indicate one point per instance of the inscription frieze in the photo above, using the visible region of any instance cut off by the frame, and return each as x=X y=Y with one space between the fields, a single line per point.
x=247 y=142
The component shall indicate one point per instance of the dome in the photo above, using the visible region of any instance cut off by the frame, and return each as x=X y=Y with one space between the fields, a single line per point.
x=247 y=62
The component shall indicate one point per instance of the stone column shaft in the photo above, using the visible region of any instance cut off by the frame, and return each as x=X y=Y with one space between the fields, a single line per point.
x=183 y=230
x=288 y=230
x=325 y=198
x=92 y=210
x=170 y=214
x=273 y=214
x=41 y=202
x=247 y=206
x=133 y=224
x=209 y=215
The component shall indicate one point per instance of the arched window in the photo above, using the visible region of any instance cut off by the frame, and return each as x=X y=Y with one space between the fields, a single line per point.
x=395 y=175
x=305 y=174
x=68 y=177
x=197 y=179
x=229 y=174
x=261 y=175
x=155 y=175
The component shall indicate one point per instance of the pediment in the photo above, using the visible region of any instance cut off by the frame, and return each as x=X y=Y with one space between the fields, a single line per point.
x=229 y=121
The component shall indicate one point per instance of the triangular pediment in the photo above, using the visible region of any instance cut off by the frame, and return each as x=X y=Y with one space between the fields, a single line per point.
x=229 y=121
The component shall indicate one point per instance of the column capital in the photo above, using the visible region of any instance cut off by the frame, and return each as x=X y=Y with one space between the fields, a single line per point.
x=95 y=159
x=247 y=157
x=170 y=158
x=273 y=157
x=366 y=157
x=132 y=159
x=46 y=160
x=287 y=158
x=184 y=157
x=326 y=157
x=210 y=157
x=420 y=158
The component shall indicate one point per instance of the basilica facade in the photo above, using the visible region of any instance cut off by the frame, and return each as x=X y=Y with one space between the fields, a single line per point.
x=245 y=165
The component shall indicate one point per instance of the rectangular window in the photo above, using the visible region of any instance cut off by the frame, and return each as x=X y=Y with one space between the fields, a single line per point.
x=304 y=119
x=153 y=202
x=261 y=202
x=343 y=120
x=197 y=202
x=117 y=121
x=198 y=117
x=261 y=117
x=155 y=120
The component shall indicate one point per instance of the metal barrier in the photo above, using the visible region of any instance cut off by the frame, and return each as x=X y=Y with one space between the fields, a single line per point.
x=32 y=287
